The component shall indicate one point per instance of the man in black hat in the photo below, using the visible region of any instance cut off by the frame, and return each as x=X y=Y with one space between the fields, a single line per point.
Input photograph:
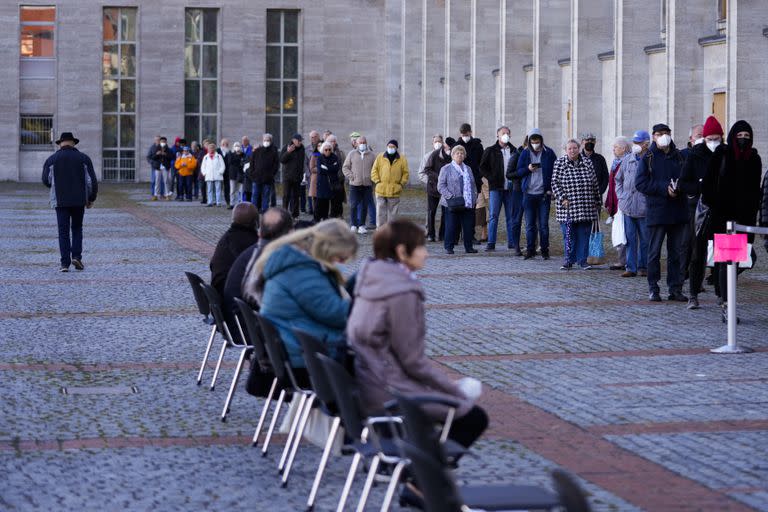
x=69 y=174
x=293 y=157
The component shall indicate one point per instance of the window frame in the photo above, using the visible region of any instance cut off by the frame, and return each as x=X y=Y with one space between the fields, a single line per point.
x=47 y=146
x=282 y=44
x=198 y=46
x=52 y=59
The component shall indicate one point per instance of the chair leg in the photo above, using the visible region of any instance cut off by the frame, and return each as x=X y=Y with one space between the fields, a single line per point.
x=390 y=494
x=292 y=432
x=235 y=378
x=280 y=399
x=297 y=438
x=205 y=356
x=218 y=364
x=368 y=484
x=323 y=461
x=348 y=483
x=264 y=411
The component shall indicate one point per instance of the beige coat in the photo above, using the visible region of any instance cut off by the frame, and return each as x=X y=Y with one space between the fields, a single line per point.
x=312 y=177
x=357 y=168
x=386 y=329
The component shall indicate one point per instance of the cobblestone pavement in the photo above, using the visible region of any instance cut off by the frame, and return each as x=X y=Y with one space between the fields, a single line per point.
x=580 y=372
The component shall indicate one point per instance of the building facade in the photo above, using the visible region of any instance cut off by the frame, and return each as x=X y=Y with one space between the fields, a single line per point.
x=116 y=74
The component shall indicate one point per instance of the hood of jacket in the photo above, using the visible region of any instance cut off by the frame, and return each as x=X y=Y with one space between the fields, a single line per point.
x=287 y=258
x=381 y=279
x=739 y=126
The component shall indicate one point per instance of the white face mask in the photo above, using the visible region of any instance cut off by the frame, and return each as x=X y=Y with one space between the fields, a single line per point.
x=636 y=149
x=163 y=144
x=362 y=147
x=535 y=146
x=266 y=143
x=466 y=138
x=504 y=139
x=712 y=144
x=663 y=141
x=437 y=145
x=698 y=141
x=391 y=151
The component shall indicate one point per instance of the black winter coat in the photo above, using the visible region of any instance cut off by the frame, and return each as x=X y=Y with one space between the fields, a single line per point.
x=265 y=162
x=435 y=162
x=492 y=165
x=70 y=176
x=293 y=164
x=601 y=170
x=235 y=162
x=164 y=157
x=653 y=181
x=237 y=239
x=474 y=150
x=328 y=181
x=694 y=170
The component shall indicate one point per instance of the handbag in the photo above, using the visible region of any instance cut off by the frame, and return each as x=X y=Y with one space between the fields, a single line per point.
x=596 y=250
x=455 y=203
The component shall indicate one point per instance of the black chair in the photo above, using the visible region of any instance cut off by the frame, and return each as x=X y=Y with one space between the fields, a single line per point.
x=255 y=338
x=366 y=441
x=325 y=397
x=571 y=494
x=215 y=304
x=281 y=365
x=432 y=473
x=202 y=306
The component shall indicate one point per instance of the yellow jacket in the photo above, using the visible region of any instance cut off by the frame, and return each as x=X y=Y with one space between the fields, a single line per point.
x=186 y=165
x=389 y=178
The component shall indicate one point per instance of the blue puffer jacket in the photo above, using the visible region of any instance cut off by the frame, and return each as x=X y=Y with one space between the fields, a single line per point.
x=548 y=158
x=300 y=294
x=653 y=181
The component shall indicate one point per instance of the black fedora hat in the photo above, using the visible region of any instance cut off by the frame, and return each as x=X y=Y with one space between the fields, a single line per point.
x=67 y=136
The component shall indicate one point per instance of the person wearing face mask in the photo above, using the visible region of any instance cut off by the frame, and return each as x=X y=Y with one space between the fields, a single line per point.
x=293 y=157
x=265 y=162
x=694 y=170
x=224 y=150
x=339 y=196
x=667 y=214
x=213 y=168
x=357 y=169
x=496 y=159
x=621 y=147
x=534 y=167
x=245 y=142
x=309 y=183
x=353 y=139
x=389 y=174
x=632 y=204
x=185 y=166
x=731 y=189
x=695 y=136
x=588 y=141
x=235 y=161
x=150 y=153
x=328 y=168
x=161 y=165
x=438 y=159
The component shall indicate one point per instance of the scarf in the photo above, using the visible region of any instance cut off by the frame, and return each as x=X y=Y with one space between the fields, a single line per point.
x=611 y=199
x=467 y=184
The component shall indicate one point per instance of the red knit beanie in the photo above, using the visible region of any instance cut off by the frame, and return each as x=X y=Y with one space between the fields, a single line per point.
x=712 y=127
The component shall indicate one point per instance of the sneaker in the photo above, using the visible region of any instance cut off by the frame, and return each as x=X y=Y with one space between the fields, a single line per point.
x=585 y=267
x=78 y=264
x=566 y=266
x=449 y=251
x=693 y=303
x=64 y=269
x=361 y=230
x=677 y=297
x=628 y=274
x=353 y=229
x=490 y=247
x=654 y=297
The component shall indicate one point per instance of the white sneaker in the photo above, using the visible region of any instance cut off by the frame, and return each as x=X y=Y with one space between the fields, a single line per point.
x=353 y=228
x=361 y=230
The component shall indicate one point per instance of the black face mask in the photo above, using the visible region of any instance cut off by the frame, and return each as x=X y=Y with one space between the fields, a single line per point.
x=743 y=143
x=589 y=146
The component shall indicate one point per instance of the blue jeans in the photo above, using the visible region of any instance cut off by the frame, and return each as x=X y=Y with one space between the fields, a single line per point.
x=184 y=187
x=674 y=234
x=637 y=243
x=578 y=249
x=357 y=205
x=260 y=195
x=497 y=199
x=370 y=201
x=70 y=218
x=536 y=216
x=517 y=219
x=464 y=220
x=214 y=189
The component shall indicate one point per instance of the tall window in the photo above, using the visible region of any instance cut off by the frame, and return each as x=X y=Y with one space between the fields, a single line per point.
x=282 y=77
x=118 y=89
x=37 y=51
x=201 y=72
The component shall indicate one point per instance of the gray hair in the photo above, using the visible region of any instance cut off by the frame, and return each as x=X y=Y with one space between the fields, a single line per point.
x=267 y=135
x=503 y=127
x=458 y=148
x=623 y=141
x=571 y=141
x=438 y=136
x=326 y=144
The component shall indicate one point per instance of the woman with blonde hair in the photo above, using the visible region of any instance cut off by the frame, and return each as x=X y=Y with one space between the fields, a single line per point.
x=302 y=288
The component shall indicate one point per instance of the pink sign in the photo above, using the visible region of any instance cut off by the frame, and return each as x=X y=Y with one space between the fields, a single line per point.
x=731 y=247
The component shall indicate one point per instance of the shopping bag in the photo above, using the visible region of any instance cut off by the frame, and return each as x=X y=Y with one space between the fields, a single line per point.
x=618 y=236
x=596 y=250
x=319 y=427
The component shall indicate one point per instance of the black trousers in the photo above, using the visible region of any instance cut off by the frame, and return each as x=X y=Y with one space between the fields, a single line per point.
x=468 y=428
x=322 y=209
x=291 y=193
x=462 y=221
x=698 y=263
x=432 y=204
x=70 y=219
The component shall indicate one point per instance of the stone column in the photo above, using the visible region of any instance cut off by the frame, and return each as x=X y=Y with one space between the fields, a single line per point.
x=748 y=68
x=551 y=41
x=518 y=30
x=592 y=32
x=433 y=69
x=686 y=23
x=411 y=138
x=458 y=71
x=487 y=58
x=9 y=84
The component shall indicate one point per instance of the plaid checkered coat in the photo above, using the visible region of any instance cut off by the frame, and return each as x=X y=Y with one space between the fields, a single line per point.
x=576 y=182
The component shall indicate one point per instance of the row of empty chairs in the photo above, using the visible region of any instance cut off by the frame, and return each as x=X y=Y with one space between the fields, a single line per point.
x=417 y=457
